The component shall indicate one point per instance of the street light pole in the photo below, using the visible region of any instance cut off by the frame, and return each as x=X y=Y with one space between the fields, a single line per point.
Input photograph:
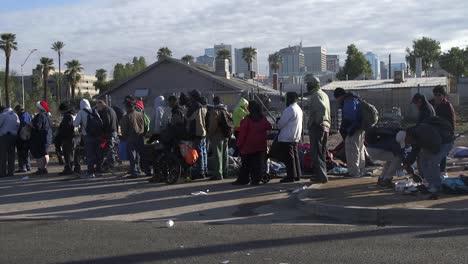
x=22 y=75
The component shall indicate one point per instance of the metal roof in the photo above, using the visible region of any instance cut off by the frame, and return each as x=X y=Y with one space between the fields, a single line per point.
x=233 y=83
x=386 y=84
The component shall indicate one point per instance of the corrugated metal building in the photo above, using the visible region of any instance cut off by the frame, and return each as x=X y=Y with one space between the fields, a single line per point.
x=387 y=94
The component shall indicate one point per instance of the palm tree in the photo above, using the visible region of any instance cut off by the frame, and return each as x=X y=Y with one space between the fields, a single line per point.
x=101 y=75
x=73 y=74
x=47 y=66
x=187 y=59
x=275 y=61
x=224 y=54
x=164 y=52
x=37 y=76
x=7 y=44
x=248 y=55
x=57 y=47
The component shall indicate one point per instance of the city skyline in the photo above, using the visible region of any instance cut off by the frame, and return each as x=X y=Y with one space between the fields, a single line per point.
x=103 y=33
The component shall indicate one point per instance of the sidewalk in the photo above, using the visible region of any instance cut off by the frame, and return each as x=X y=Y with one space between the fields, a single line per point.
x=362 y=201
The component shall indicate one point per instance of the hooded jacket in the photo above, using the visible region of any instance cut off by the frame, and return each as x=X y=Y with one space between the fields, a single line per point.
x=82 y=116
x=352 y=117
x=196 y=119
x=161 y=117
x=109 y=120
x=214 y=116
x=240 y=113
x=9 y=122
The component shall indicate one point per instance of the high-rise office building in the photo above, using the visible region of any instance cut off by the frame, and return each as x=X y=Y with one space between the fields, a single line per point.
x=333 y=63
x=241 y=65
x=292 y=61
x=206 y=60
x=374 y=61
x=210 y=52
x=383 y=70
x=315 y=59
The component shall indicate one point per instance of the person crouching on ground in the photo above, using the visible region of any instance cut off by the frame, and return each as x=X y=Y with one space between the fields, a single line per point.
x=290 y=126
x=430 y=141
x=65 y=134
x=133 y=129
x=41 y=137
x=252 y=144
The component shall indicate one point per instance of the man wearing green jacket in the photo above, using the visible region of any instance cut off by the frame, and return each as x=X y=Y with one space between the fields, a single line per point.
x=319 y=127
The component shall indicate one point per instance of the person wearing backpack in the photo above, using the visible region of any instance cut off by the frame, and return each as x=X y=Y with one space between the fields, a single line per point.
x=319 y=126
x=133 y=127
x=92 y=130
x=41 y=137
x=23 y=144
x=219 y=132
x=352 y=132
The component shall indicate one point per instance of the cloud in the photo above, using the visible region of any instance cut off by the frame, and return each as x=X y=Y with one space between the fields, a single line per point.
x=102 y=33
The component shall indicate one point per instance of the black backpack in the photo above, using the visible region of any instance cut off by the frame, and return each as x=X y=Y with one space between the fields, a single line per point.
x=226 y=124
x=94 y=124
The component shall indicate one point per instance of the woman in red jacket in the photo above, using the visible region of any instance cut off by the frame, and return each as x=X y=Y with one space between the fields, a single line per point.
x=252 y=144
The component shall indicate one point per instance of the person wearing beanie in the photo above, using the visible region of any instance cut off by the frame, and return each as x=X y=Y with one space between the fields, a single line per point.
x=65 y=135
x=23 y=144
x=9 y=124
x=41 y=137
x=351 y=131
x=318 y=125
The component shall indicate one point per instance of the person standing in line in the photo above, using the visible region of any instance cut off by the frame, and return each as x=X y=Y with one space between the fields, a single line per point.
x=445 y=110
x=352 y=132
x=110 y=127
x=218 y=120
x=252 y=144
x=241 y=111
x=22 y=146
x=133 y=128
x=65 y=134
x=41 y=137
x=9 y=124
x=92 y=134
x=196 y=119
x=161 y=118
x=290 y=126
x=319 y=127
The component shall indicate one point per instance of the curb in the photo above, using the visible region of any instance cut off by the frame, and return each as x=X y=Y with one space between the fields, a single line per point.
x=383 y=216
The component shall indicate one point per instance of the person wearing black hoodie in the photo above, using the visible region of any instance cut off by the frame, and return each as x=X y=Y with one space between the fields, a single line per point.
x=65 y=134
x=110 y=127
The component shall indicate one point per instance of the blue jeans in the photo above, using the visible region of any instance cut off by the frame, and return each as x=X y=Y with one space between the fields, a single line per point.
x=134 y=148
x=92 y=150
x=430 y=165
x=200 y=145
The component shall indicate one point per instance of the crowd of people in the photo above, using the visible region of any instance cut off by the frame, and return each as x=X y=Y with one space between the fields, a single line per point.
x=92 y=133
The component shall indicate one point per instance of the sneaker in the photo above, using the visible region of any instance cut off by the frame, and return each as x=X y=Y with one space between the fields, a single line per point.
x=385 y=183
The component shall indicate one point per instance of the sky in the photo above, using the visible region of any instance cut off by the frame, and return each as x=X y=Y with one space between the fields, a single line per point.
x=101 y=33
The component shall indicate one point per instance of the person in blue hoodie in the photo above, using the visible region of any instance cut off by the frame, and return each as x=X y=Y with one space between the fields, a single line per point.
x=351 y=131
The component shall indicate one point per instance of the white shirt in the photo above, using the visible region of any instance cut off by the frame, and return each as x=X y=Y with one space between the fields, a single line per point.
x=290 y=124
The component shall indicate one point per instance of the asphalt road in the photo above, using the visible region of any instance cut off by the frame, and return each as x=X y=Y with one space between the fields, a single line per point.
x=71 y=242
